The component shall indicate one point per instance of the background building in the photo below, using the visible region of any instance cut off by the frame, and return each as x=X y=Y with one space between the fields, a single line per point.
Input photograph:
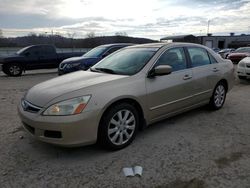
x=229 y=41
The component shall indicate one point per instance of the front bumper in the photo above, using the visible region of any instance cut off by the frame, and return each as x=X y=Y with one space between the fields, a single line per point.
x=68 y=131
x=243 y=71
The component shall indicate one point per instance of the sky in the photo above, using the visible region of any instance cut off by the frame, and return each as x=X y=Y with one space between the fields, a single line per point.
x=137 y=18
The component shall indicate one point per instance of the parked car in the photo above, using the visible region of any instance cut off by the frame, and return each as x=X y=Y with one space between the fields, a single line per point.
x=216 y=49
x=243 y=68
x=239 y=54
x=225 y=52
x=125 y=91
x=89 y=59
x=33 y=57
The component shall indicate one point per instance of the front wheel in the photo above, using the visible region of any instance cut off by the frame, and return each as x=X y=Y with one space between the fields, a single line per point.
x=118 y=126
x=219 y=96
x=13 y=70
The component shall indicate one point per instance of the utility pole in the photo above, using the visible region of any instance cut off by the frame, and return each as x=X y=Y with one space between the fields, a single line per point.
x=208 y=24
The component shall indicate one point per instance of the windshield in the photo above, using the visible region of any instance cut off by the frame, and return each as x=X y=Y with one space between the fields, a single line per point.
x=243 y=50
x=96 y=52
x=126 y=61
x=22 y=50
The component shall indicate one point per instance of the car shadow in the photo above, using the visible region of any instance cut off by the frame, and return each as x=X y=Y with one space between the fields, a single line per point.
x=31 y=73
x=95 y=150
x=171 y=121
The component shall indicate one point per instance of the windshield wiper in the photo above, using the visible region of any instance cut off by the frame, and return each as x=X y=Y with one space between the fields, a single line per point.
x=94 y=70
x=106 y=70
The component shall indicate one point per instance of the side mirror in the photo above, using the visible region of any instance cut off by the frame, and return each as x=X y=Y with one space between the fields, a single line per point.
x=160 y=70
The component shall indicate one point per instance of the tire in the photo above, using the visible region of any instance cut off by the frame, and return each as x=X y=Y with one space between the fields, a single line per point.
x=118 y=127
x=242 y=77
x=13 y=70
x=219 y=96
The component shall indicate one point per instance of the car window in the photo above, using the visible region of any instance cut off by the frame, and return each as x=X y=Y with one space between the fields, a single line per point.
x=175 y=58
x=199 y=56
x=127 y=61
x=242 y=50
x=34 y=51
x=110 y=51
x=48 y=50
x=95 y=52
x=212 y=59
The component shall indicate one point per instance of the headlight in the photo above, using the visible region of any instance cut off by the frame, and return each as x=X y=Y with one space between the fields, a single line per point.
x=72 y=65
x=67 y=107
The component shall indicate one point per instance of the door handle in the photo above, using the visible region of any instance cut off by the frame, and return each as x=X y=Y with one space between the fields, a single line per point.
x=187 y=77
x=215 y=69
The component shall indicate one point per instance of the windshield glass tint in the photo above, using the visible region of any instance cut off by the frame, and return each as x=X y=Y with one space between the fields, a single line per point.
x=127 y=61
x=22 y=50
x=243 y=50
x=96 y=52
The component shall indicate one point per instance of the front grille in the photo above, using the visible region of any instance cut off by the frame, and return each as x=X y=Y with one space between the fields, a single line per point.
x=27 y=106
x=52 y=134
x=62 y=66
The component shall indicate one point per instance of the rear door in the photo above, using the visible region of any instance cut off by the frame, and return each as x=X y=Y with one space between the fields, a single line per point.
x=170 y=93
x=205 y=70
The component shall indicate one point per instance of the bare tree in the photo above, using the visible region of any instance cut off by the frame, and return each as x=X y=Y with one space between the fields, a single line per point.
x=1 y=33
x=71 y=35
x=121 y=34
x=90 y=34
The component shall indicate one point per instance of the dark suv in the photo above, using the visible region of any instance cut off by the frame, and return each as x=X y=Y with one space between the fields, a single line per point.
x=89 y=59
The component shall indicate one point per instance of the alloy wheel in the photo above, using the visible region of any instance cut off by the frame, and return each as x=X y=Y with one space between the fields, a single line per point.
x=121 y=127
x=14 y=70
x=219 y=96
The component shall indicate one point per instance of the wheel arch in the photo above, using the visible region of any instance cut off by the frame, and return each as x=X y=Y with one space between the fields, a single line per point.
x=128 y=100
x=6 y=66
x=224 y=81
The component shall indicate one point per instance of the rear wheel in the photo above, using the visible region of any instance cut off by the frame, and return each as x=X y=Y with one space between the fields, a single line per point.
x=118 y=126
x=219 y=96
x=13 y=70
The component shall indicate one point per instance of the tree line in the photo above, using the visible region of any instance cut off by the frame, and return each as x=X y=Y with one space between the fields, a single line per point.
x=69 y=42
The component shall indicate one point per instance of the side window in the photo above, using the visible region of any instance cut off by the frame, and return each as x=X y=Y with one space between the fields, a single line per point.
x=212 y=59
x=199 y=57
x=47 y=50
x=35 y=51
x=110 y=51
x=175 y=58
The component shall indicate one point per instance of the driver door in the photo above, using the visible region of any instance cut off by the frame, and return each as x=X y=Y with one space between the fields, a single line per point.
x=170 y=93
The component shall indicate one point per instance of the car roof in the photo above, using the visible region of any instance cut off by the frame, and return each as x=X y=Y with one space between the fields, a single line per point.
x=116 y=44
x=162 y=44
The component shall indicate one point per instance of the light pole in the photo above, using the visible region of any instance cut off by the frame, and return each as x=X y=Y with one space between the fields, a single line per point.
x=208 y=24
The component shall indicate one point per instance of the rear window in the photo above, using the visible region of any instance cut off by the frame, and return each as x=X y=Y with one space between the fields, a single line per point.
x=198 y=56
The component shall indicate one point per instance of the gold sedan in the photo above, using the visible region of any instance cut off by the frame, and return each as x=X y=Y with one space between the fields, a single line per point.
x=128 y=90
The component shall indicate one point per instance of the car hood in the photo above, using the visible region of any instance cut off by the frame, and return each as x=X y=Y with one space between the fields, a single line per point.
x=43 y=93
x=11 y=57
x=234 y=54
x=77 y=59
